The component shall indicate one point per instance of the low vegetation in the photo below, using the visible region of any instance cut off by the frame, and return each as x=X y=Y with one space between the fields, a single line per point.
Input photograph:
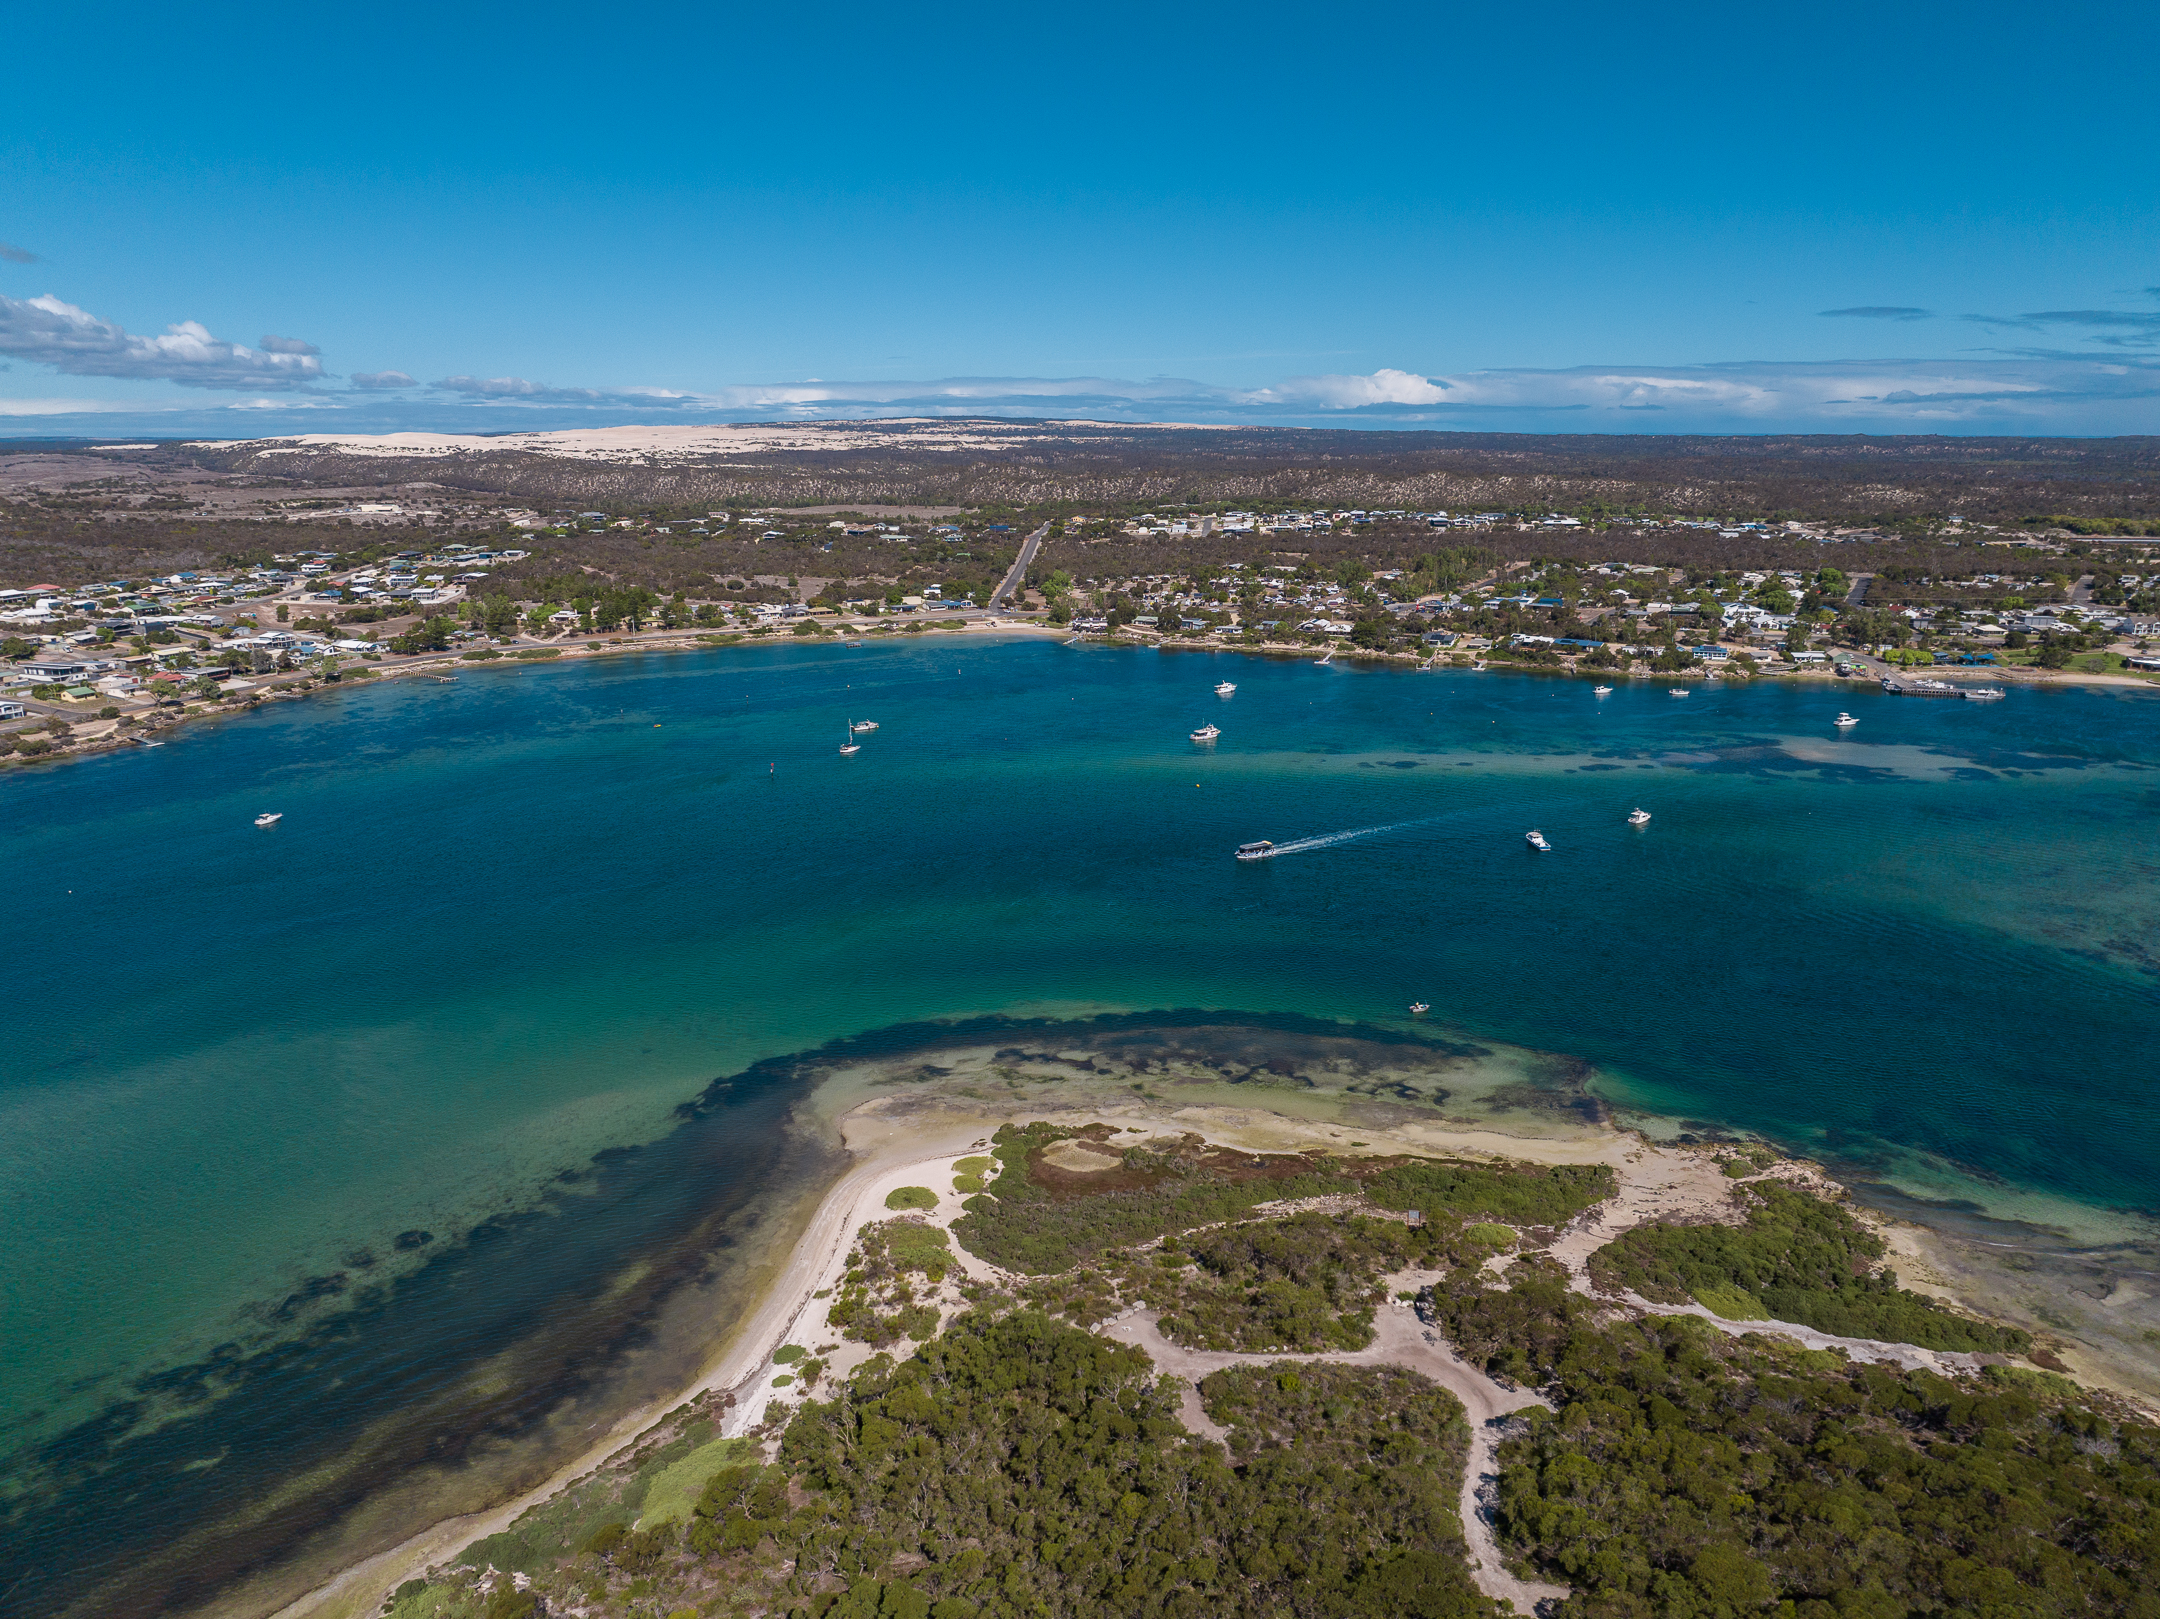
x=1520 y=1194
x=1796 y=1259
x=1034 y=1224
x=877 y=1304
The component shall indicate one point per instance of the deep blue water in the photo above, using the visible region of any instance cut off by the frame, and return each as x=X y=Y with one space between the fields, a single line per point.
x=510 y=922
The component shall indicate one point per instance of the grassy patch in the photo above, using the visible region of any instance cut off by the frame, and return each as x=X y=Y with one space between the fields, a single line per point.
x=674 y=1490
x=911 y=1197
x=558 y=1527
x=1492 y=1236
x=1731 y=1304
x=531 y=653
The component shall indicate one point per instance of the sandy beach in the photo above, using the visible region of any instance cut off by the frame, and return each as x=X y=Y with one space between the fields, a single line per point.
x=912 y=1137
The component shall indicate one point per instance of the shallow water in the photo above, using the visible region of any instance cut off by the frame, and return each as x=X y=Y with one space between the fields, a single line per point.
x=510 y=922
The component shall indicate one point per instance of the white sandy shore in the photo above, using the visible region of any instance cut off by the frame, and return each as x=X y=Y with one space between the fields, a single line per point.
x=915 y=1142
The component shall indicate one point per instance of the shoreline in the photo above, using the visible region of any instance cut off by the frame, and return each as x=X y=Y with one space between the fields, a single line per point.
x=912 y=1139
x=446 y=667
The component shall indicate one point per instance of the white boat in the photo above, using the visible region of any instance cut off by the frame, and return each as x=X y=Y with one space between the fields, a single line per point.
x=1601 y=691
x=1224 y=689
x=1844 y=720
x=1207 y=733
x=862 y=725
x=269 y=820
x=851 y=745
x=1679 y=691
x=1255 y=851
x=1536 y=840
x=1639 y=817
x=1418 y=1008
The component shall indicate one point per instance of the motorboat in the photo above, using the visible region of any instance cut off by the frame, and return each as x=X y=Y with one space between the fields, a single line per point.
x=269 y=820
x=1207 y=733
x=1536 y=840
x=1255 y=851
x=1418 y=1008
x=1680 y=691
x=1639 y=817
x=1601 y=691
x=1224 y=688
x=862 y=725
x=1844 y=720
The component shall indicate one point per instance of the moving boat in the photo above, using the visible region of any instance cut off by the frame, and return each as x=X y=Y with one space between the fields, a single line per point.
x=862 y=725
x=1843 y=720
x=269 y=820
x=1207 y=733
x=1536 y=840
x=1639 y=817
x=1255 y=851
x=1601 y=691
x=851 y=745
x=1224 y=689
x=1418 y=1007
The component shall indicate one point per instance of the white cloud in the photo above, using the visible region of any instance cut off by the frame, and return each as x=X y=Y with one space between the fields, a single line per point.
x=51 y=332
x=1349 y=393
x=375 y=381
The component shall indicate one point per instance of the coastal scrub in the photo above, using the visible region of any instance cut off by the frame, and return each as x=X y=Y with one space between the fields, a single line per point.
x=1796 y=1259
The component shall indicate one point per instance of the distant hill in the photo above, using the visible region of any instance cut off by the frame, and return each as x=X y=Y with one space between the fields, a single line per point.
x=983 y=462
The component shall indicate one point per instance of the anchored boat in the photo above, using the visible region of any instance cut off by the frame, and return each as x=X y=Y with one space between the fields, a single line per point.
x=1536 y=840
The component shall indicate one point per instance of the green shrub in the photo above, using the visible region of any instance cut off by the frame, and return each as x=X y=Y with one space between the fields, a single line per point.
x=1801 y=1260
x=788 y=1354
x=911 y=1197
x=1688 y=1474
x=1520 y=1194
x=969 y=1183
x=1027 y=1228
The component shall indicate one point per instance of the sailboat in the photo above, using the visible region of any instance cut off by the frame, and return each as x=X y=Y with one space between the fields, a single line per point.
x=851 y=745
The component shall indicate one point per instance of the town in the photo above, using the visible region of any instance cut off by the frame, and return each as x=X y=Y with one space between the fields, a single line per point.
x=116 y=660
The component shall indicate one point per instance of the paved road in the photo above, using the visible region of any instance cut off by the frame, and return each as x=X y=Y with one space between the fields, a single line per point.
x=1012 y=580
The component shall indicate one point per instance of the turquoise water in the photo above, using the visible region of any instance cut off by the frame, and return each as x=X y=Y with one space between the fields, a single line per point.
x=513 y=921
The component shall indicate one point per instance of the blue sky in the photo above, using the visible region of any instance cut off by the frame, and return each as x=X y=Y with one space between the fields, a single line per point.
x=263 y=219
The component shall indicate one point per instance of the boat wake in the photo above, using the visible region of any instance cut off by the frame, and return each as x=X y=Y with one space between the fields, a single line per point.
x=1329 y=839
